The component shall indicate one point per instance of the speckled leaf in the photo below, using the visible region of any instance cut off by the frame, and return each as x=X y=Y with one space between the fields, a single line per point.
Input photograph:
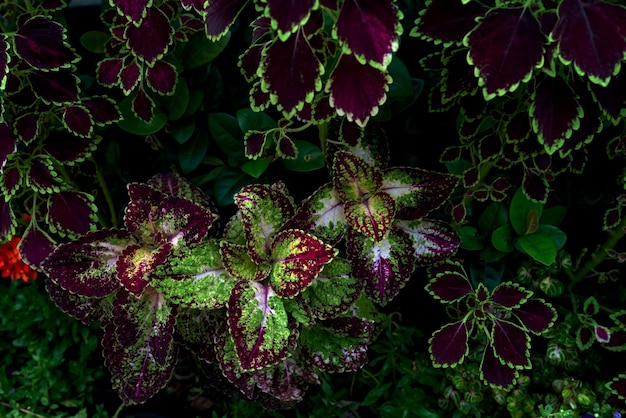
x=78 y=120
x=292 y=85
x=369 y=29
x=57 y=87
x=494 y=372
x=288 y=15
x=353 y=177
x=173 y=184
x=7 y=144
x=240 y=265
x=162 y=77
x=447 y=21
x=41 y=176
x=417 y=192
x=432 y=240
x=356 y=90
x=140 y=351
x=505 y=47
x=286 y=381
x=85 y=309
x=258 y=324
x=71 y=213
x=151 y=39
x=591 y=34
x=510 y=295
x=220 y=15
x=450 y=282
x=35 y=246
x=448 y=346
x=40 y=43
x=371 y=217
x=136 y=265
x=134 y=10
x=297 y=258
x=511 y=344
x=264 y=210
x=385 y=266
x=195 y=277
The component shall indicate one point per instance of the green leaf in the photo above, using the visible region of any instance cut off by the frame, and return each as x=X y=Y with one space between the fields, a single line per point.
x=249 y=120
x=557 y=236
x=470 y=238
x=539 y=246
x=225 y=132
x=519 y=211
x=94 y=41
x=134 y=125
x=228 y=182
x=177 y=103
x=191 y=153
x=493 y=217
x=309 y=158
x=201 y=51
x=256 y=167
x=502 y=239
x=182 y=133
x=553 y=216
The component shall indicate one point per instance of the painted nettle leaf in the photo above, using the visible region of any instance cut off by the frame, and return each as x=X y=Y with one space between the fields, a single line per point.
x=505 y=316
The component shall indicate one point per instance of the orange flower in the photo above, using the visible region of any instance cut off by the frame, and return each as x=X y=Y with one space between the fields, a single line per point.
x=11 y=264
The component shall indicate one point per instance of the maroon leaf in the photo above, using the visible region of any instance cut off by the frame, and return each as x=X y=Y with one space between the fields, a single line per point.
x=288 y=15
x=27 y=126
x=286 y=148
x=293 y=85
x=510 y=295
x=151 y=39
x=162 y=77
x=35 y=246
x=356 y=90
x=510 y=344
x=54 y=86
x=108 y=71
x=69 y=149
x=591 y=34
x=618 y=386
x=584 y=337
x=450 y=283
x=136 y=263
x=448 y=345
x=197 y=5
x=447 y=20
x=102 y=110
x=255 y=143
x=602 y=334
x=134 y=10
x=505 y=47
x=41 y=175
x=10 y=181
x=129 y=76
x=85 y=309
x=78 y=120
x=71 y=213
x=7 y=144
x=143 y=106
x=494 y=372
x=250 y=60
x=220 y=15
x=535 y=186
x=39 y=42
x=369 y=29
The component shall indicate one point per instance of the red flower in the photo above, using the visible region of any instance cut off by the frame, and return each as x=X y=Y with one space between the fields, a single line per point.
x=11 y=264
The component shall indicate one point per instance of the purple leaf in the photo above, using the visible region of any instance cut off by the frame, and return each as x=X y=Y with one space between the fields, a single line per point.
x=197 y=5
x=584 y=337
x=134 y=10
x=602 y=334
x=55 y=86
x=255 y=142
x=150 y=40
x=511 y=344
x=220 y=15
x=71 y=213
x=510 y=295
x=7 y=144
x=10 y=181
x=449 y=284
x=535 y=186
x=591 y=34
x=555 y=112
x=69 y=149
x=371 y=217
x=369 y=29
x=85 y=309
x=143 y=106
x=258 y=324
x=86 y=266
x=40 y=42
x=41 y=175
x=28 y=126
x=35 y=246
x=136 y=264
x=162 y=77
x=448 y=346
x=174 y=185
x=611 y=98
x=285 y=148
x=250 y=60
x=297 y=259
x=288 y=15
x=620 y=319
x=129 y=76
x=505 y=47
x=293 y=85
x=386 y=265
x=103 y=110
x=356 y=90
x=109 y=71
x=431 y=240
x=78 y=121
x=447 y=21
x=618 y=386
x=494 y=372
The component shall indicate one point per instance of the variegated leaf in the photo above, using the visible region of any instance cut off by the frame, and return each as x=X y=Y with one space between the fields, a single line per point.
x=432 y=240
x=372 y=216
x=353 y=178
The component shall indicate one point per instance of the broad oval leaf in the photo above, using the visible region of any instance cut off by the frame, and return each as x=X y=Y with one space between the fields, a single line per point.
x=71 y=213
x=40 y=42
x=78 y=121
x=58 y=87
x=134 y=10
x=162 y=77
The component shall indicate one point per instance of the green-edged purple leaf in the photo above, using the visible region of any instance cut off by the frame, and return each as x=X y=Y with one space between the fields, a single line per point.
x=78 y=120
x=511 y=344
x=27 y=126
x=136 y=265
x=240 y=265
x=286 y=381
x=220 y=15
x=288 y=15
x=150 y=40
x=297 y=259
x=139 y=350
x=102 y=110
x=618 y=386
x=417 y=192
x=494 y=372
x=431 y=240
x=134 y=10
x=258 y=324
x=174 y=185
x=555 y=112
x=162 y=77
x=591 y=35
x=8 y=222
x=255 y=143
x=505 y=47
x=329 y=295
x=41 y=176
x=35 y=246
x=447 y=21
x=71 y=213
x=620 y=319
x=322 y=215
x=40 y=42
x=602 y=334
x=11 y=179
x=7 y=144
x=353 y=178
x=197 y=5
x=57 y=87
x=285 y=148
x=109 y=71
x=510 y=295
x=448 y=346
x=369 y=29
x=385 y=266
x=230 y=366
x=338 y=345
x=85 y=309
x=450 y=282
x=5 y=58
x=371 y=217
x=264 y=210
x=195 y=277
x=356 y=90
x=584 y=337
x=591 y=306
x=290 y=86
x=69 y=149
x=129 y=77
x=143 y=106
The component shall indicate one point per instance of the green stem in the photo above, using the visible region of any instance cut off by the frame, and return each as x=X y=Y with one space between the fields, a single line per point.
x=298 y=129
x=24 y=411
x=323 y=135
x=106 y=193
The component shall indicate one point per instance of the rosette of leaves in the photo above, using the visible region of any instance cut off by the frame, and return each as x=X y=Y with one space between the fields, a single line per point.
x=47 y=128
x=111 y=276
x=500 y=321
x=381 y=213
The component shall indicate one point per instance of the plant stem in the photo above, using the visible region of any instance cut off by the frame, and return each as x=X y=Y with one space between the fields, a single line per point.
x=106 y=193
x=25 y=411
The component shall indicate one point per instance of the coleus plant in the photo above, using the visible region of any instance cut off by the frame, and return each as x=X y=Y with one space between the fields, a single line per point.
x=499 y=321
